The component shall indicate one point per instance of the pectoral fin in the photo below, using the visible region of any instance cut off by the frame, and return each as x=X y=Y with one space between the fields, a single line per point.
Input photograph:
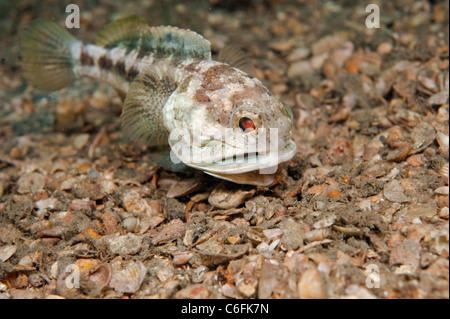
x=142 y=116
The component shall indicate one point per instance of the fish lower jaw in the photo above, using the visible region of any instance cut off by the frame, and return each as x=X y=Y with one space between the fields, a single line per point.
x=248 y=162
x=250 y=178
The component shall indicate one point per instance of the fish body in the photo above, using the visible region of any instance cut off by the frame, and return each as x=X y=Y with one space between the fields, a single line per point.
x=213 y=115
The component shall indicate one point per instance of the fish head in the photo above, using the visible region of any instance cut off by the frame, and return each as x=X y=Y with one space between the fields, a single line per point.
x=226 y=123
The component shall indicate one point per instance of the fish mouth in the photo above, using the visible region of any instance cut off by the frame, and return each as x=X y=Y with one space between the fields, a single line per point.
x=250 y=178
x=264 y=164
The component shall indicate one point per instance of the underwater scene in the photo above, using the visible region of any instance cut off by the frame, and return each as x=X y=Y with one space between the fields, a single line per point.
x=213 y=149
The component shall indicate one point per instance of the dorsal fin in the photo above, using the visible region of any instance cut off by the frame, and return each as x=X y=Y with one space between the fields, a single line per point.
x=173 y=41
x=126 y=30
x=134 y=34
x=142 y=110
x=236 y=58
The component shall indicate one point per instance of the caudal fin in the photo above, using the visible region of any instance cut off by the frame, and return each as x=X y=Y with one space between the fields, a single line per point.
x=46 y=55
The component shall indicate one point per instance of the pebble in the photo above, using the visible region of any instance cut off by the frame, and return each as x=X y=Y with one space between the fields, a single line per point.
x=325 y=222
x=422 y=136
x=110 y=222
x=174 y=209
x=7 y=251
x=133 y=202
x=224 y=198
x=181 y=258
x=31 y=183
x=326 y=44
x=130 y=224
x=130 y=279
x=26 y=261
x=298 y=54
x=65 y=115
x=292 y=234
x=269 y=279
x=311 y=285
x=247 y=289
x=123 y=244
x=407 y=253
x=422 y=210
x=443 y=141
x=300 y=69
x=80 y=141
x=86 y=264
x=444 y=212
x=438 y=98
x=196 y=291
x=173 y=230
x=384 y=48
x=395 y=192
x=100 y=275
x=441 y=241
x=272 y=233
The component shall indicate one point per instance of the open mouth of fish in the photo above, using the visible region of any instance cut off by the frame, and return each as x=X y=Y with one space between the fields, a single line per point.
x=249 y=168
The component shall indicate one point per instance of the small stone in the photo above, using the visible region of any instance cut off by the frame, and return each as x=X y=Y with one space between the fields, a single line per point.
x=414 y=160
x=398 y=154
x=130 y=224
x=311 y=285
x=438 y=98
x=283 y=45
x=133 y=202
x=384 y=48
x=293 y=234
x=269 y=279
x=174 y=209
x=443 y=212
x=181 y=258
x=247 y=289
x=193 y=292
x=31 y=183
x=173 y=230
x=109 y=221
x=394 y=191
x=422 y=136
x=298 y=54
x=299 y=69
x=123 y=245
x=64 y=113
x=36 y=280
x=45 y=204
x=164 y=274
x=422 y=210
x=6 y=252
x=130 y=279
x=407 y=253
x=234 y=239
x=80 y=141
x=272 y=233
x=26 y=262
x=325 y=222
x=443 y=190
x=224 y=198
x=85 y=264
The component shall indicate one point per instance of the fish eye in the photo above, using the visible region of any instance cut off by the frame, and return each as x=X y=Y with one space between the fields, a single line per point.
x=246 y=124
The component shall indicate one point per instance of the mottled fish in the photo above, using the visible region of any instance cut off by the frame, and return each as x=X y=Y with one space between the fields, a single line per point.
x=214 y=115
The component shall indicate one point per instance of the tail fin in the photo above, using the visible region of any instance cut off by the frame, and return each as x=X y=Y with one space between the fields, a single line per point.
x=46 y=57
